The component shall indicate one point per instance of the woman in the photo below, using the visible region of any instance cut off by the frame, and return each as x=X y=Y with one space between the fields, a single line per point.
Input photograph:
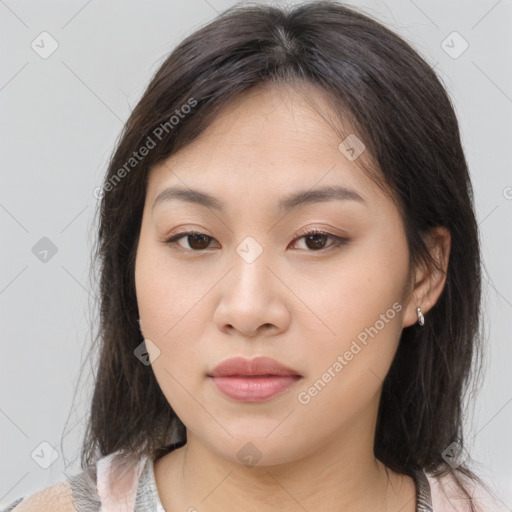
x=290 y=280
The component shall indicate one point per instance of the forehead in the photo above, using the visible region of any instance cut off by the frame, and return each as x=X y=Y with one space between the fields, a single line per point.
x=268 y=142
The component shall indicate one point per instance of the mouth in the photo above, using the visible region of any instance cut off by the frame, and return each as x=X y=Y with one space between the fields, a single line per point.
x=253 y=380
x=254 y=388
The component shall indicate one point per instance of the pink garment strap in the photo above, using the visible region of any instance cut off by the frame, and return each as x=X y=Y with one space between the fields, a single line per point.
x=446 y=497
x=442 y=502
x=117 y=482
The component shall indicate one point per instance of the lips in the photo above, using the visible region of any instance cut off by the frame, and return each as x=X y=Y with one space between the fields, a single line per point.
x=240 y=367
x=253 y=380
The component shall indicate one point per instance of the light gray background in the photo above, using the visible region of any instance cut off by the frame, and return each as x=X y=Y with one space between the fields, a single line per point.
x=60 y=118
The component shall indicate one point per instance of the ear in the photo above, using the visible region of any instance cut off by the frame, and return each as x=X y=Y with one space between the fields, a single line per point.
x=428 y=280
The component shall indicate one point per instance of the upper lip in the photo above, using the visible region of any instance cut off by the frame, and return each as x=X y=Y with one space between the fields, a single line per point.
x=240 y=366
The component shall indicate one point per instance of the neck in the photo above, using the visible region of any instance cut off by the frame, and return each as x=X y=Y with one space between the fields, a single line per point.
x=341 y=475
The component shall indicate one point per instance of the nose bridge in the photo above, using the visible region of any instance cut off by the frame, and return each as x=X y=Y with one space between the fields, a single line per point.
x=250 y=290
x=250 y=267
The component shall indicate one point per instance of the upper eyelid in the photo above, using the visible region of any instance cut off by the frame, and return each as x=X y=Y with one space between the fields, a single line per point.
x=301 y=234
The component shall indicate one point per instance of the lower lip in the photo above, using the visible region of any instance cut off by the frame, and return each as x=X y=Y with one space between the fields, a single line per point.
x=255 y=389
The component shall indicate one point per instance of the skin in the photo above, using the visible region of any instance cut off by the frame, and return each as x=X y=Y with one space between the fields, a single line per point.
x=297 y=304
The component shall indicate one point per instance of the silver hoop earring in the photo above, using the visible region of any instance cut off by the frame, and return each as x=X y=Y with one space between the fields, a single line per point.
x=421 y=318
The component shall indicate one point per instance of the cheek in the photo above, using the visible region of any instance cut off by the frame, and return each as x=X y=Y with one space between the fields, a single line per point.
x=363 y=310
x=173 y=305
x=363 y=286
x=165 y=293
x=166 y=304
x=346 y=372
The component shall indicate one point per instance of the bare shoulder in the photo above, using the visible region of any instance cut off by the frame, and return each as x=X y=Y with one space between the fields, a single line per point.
x=56 y=498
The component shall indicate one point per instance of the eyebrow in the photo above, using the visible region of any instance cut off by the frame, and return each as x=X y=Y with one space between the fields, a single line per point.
x=301 y=198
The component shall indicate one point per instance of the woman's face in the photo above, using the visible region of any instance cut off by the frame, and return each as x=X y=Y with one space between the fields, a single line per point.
x=254 y=285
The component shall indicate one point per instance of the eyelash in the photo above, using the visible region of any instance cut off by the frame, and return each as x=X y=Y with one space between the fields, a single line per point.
x=338 y=241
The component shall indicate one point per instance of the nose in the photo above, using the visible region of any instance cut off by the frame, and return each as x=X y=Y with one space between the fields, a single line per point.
x=252 y=298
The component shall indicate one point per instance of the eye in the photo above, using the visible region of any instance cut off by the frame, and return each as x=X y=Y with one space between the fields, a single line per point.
x=197 y=241
x=316 y=239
